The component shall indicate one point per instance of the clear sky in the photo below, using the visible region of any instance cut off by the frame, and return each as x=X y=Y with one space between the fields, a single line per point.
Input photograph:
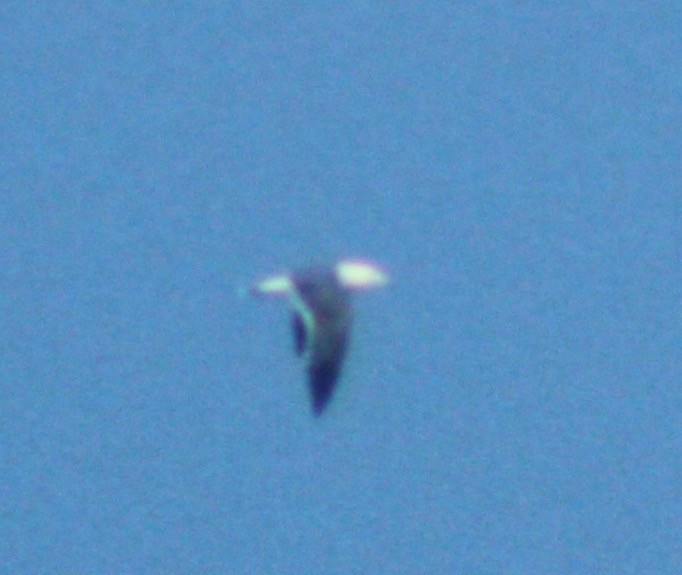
x=511 y=403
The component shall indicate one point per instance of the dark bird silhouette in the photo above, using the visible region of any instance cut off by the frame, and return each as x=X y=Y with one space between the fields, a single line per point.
x=322 y=317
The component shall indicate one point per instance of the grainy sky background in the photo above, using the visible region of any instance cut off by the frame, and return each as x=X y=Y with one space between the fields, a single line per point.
x=510 y=405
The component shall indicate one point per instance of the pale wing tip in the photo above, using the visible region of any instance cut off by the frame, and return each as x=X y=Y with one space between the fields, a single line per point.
x=273 y=286
x=361 y=274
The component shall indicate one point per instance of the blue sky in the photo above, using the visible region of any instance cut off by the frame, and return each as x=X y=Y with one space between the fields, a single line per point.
x=510 y=404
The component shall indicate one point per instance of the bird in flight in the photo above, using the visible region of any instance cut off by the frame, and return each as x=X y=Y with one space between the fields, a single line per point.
x=322 y=316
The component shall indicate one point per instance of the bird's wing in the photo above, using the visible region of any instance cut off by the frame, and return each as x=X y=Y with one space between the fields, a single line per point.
x=300 y=337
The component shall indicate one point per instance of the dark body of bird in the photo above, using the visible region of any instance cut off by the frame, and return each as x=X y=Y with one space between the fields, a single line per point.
x=322 y=321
